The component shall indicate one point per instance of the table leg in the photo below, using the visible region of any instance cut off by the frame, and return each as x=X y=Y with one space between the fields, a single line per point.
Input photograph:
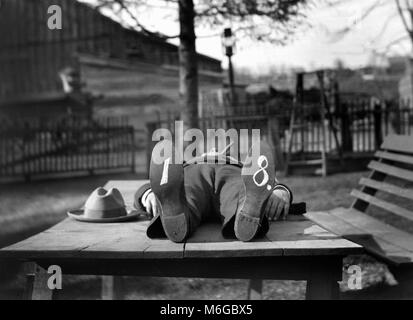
x=255 y=289
x=36 y=283
x=112 y=288
x=323 y=284
x=404 y=277
x=29 y=272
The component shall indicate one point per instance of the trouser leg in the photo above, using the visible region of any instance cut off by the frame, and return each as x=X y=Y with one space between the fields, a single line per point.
x=229 y=195
x=212 y=191
x=199 y=190
x=228 y=189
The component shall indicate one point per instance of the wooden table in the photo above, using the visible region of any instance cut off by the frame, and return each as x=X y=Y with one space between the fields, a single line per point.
x=296 y=249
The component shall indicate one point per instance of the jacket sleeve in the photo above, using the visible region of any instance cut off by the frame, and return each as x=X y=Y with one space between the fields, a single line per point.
x=138 y=196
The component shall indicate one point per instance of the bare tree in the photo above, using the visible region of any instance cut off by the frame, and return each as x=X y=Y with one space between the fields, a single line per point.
x=262 y=20
x=407 y=9
x=401 y=10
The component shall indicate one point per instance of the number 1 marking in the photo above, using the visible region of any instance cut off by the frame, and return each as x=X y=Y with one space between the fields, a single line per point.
x=164 y=179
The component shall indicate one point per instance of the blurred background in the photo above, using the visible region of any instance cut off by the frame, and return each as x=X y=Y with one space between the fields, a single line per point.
x=83 y=85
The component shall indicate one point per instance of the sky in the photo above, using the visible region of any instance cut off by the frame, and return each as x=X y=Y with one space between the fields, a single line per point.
x=316 y=47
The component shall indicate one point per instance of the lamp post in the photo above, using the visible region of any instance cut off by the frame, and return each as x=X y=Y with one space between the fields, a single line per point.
x=228 y=42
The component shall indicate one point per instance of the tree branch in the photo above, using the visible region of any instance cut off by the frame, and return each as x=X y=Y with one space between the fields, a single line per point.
x=281 y=17
x=405 y=24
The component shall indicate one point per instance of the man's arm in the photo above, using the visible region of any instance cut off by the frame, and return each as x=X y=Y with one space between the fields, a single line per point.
x=141 y=195
x=284 y=187
x=278 y=205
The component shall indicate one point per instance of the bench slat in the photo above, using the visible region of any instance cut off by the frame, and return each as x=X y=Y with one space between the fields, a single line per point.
x=393 y=208
x=375 y=227
x=386 y=187
x=394 y=157
x=398 y=143
x=377 y=237
x=377 y=244
x=391 y=170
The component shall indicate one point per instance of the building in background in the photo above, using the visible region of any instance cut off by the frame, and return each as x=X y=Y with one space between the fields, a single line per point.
x=380 y=81
x=93 y=65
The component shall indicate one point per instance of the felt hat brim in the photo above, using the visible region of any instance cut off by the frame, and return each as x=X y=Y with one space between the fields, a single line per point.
x=79 y=215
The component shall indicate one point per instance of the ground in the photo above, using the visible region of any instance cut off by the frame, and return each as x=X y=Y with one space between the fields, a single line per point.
x=29 y=208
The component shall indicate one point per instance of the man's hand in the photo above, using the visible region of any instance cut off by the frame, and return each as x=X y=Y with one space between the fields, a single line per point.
x=152 y=204
x=278 y=205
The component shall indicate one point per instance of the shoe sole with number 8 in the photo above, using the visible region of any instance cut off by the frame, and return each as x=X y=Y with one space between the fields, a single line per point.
x=258 y=188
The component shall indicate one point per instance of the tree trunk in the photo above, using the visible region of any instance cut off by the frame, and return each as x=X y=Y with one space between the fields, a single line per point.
x=188 y=65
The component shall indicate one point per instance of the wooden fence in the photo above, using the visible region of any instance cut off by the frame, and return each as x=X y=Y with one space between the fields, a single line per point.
x=268 y=124
x=70 y=145
x=360 y=125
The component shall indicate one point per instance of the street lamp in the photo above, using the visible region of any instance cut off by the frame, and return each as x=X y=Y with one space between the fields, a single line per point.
x=228 y=43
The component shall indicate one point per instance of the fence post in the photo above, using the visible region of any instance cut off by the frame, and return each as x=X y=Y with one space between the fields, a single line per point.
x=346 y=116
x=378 y=133
x=151 y=127
x=395 y=117
x=108 y=124
x=274 y=139
x=132 y=133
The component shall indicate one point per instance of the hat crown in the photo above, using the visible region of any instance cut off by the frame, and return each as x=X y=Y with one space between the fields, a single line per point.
x=105 y=204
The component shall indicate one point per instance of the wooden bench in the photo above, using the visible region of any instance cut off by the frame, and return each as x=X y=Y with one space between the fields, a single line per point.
x=387 y=192
x=296 y=249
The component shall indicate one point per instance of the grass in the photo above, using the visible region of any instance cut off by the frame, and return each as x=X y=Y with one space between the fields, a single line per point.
x=29 y=208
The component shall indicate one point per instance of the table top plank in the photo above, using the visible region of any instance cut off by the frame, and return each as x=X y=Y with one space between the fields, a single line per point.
x=208 y=241
x=300 y=236
x=72 y=238
x=75 y=239
x=298 y=228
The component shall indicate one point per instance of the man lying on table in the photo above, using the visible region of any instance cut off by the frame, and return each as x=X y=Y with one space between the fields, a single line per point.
x=209 y=187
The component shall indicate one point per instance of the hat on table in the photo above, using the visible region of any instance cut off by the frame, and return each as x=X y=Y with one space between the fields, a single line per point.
x=104 y=206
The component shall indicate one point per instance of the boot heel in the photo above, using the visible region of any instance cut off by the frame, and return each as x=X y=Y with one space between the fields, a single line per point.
x=246 y=227
x=176 y=227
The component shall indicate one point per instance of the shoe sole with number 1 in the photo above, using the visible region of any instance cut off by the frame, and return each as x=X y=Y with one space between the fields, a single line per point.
x=167 y=182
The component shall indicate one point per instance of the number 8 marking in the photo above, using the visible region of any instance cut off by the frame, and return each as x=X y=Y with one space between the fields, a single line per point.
x=261 y=160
